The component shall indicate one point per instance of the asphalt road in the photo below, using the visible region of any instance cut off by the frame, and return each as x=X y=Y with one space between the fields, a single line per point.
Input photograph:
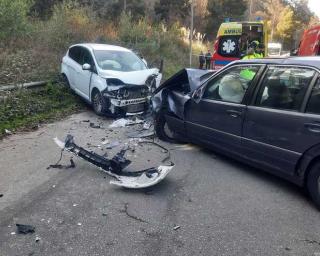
x=208 y=204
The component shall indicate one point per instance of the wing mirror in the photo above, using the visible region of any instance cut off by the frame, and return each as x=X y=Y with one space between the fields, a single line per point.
x=196 y=96
x=86 y=66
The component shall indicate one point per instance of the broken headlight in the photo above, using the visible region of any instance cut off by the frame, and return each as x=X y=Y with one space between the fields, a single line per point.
x=123 y=93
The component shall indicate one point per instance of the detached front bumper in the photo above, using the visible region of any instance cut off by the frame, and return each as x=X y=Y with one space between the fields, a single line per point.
x=129 y=106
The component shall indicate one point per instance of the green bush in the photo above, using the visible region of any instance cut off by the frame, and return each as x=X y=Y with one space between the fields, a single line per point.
x=13 y=18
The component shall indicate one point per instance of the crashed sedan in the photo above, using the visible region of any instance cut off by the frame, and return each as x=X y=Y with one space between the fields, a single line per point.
x=263 y=112
x=113 y=79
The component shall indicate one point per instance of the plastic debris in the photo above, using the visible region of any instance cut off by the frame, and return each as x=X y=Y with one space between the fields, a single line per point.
x=176 y=227
x=113 y=144
x=8 y=131
x=37 y=239
x=60 y=166
x=25 y=229
x=140 y=134
x=93 y=125
x=125 y=122
x=115 y=166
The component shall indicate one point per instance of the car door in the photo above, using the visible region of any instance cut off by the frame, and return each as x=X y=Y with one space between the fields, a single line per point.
x=83 y=77
x=216 y=119
x=275 y=131
x=73 y=63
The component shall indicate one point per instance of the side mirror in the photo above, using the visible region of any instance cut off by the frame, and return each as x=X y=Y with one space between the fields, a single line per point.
x=86 y=66
x=196 y=96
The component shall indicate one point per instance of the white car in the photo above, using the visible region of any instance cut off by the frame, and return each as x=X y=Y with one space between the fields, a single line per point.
x=111 y=78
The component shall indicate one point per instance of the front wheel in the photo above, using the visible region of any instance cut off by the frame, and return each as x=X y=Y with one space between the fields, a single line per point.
x=162 y=129
x=98 y=103
x=313 y=183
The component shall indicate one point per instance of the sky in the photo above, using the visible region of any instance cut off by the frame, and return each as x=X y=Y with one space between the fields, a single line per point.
x=314 y=6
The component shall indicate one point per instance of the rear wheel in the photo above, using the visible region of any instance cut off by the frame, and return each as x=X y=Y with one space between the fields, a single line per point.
x=162 y=129
x=98 y=103
x=313 y=183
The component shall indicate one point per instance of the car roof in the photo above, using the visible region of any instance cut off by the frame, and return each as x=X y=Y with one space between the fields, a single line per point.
x=109 y=47
x=311 y=61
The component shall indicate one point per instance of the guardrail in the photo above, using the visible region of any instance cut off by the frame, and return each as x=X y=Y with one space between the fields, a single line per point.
x=25 y=85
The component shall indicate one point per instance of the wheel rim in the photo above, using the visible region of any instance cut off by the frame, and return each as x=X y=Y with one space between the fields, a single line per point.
x=97 y=103
x=169 y=133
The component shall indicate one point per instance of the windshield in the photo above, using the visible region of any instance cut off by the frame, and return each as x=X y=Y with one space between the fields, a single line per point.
x=119 y=60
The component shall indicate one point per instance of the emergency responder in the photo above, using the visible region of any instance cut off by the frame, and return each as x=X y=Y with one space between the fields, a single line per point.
x=208 y=57
x=202 y=60
x=251 y=53
x=260 y=51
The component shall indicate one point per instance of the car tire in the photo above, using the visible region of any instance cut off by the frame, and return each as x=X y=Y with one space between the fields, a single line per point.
x=162 y=129
x=313 y=183
x=98 y=103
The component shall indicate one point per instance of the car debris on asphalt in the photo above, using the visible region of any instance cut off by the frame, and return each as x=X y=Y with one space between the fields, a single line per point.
x=116 y=165
x=25 y=229
x=123 y=122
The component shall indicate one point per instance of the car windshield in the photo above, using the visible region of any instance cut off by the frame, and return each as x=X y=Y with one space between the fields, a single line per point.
x=119 y=60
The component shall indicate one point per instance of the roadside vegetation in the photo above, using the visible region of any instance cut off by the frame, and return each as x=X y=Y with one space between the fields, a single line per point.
x=35 y=34
x=31 y=50
x=27 y=108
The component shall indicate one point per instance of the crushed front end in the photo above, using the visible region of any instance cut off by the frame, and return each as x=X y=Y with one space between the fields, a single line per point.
x=126 y=99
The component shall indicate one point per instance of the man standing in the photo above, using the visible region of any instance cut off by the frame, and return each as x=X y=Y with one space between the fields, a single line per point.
x=202 y=60
x=208 y=59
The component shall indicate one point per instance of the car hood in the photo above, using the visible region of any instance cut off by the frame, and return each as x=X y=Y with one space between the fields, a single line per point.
x=187 y=79
x=132 y=77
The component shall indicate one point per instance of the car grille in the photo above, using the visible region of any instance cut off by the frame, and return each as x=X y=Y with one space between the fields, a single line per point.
x=135 y=94
x=136 y=108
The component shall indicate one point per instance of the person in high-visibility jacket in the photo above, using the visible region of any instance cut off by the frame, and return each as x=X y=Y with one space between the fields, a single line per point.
x=251 y=54
x=260 y=51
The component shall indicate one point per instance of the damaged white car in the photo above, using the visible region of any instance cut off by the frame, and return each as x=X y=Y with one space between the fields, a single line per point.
x=113 y=79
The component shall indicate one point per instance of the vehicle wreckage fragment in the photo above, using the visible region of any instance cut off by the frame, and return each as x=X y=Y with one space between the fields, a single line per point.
x=115 y=166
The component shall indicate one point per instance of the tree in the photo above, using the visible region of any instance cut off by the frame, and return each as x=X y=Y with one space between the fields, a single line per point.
x=43 y=8
x=219 y=10
x=13 y=18
x=285 y=26
x=171 y=11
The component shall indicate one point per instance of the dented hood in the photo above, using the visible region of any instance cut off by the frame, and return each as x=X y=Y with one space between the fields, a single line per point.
x=132 y=77
x=188 y=78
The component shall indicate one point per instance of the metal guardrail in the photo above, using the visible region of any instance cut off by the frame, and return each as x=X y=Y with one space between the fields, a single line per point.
x=25 y=85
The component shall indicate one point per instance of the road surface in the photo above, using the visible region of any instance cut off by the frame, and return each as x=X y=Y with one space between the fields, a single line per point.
x=208 y=204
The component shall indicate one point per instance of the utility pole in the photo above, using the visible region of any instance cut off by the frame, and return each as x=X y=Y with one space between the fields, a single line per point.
x=191 y=33
x=250 y=10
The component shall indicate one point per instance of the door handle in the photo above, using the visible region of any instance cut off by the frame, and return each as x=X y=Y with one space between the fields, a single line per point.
x=313 y=127
x=234 y=113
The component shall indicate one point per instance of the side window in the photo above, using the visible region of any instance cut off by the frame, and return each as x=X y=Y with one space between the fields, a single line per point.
x=284 y=88
x=314 y=101
x=231 y=85
x=87 y=58
x=75 y=53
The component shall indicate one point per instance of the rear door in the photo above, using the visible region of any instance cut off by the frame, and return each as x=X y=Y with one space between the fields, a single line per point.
x=217 y=118
x=276 y=131
x=73 y=63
